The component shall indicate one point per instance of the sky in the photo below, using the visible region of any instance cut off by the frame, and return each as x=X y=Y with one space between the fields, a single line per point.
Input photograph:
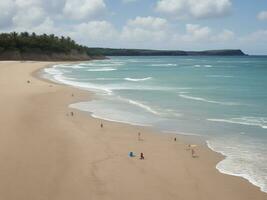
x=146 y=24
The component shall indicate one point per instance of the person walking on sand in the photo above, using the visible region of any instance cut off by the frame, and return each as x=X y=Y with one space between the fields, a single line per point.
x=188 y=147
x=139 y=136
x=71 y=113
x=193 y=153
x=142 y=156
x=101 y=125
x=175 y=139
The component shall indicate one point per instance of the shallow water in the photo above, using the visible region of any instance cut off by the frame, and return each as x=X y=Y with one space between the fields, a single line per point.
x=223 y=99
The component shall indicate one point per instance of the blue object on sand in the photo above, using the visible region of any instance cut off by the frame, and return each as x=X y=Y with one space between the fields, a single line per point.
x=131 y=154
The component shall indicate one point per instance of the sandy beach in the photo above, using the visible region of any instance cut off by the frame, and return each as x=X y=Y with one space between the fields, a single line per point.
x=46 y=153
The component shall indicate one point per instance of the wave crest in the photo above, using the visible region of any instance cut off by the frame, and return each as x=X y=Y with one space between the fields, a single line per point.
x=249 y=121
x=138 y=79
x=103 y=69
x=206 y=100
x=163 y=65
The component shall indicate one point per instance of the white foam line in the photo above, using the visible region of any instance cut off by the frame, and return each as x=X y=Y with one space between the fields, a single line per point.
x=219 y=76
x=58 y=77
x=239 y=122
x=101 y=69
x=206 y=100
x=108 y=119
x=223 y=171
x=200 y=66
x=141 y=105
x=138 y=79
x=70 y=66
x=163 y=65
x=120 y=121
x=182 y=133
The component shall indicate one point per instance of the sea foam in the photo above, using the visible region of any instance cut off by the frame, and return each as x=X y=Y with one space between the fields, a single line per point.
x=103 y=69
x=204 y=66
x=138 y=79
x=249 y=121
x=163 y=65
x=219 y=76
x=206 y=100
x=242 y=159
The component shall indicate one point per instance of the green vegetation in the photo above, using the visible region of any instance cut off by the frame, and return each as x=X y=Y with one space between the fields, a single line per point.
x=25 y=42
x=26 y=46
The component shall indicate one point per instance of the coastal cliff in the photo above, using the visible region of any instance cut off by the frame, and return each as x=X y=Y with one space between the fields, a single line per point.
x=145 y=52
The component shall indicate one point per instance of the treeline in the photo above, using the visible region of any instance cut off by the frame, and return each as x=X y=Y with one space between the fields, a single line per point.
x=30 y=46
x=26 y=42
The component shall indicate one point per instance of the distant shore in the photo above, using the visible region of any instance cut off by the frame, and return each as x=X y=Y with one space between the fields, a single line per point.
x=49 y=151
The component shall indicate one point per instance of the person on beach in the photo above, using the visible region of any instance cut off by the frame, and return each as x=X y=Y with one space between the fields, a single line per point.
x=175 y=139
x=193 y=153
x=139 y=136
x=72 y=114
x=142 y=156
x=188 y=147
x=101 y=125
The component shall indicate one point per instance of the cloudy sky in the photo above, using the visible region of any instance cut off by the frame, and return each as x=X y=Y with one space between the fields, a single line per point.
x=151 y=24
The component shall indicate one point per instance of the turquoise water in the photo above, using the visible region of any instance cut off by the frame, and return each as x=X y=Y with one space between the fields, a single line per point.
x=223 y=99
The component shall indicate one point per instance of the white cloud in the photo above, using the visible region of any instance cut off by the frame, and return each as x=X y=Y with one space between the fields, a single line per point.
x=48 y=15
x=82 y=9
x=47 y=26
x=7 y=10
x=27 y=3
x=95 y=31
x=27 y=19
x=262 y=15
x=195 y=32
x=224 y=36
x=194 y=8
x=83 y=21
x=149 y=22
x=145 y=29
x=259 y=36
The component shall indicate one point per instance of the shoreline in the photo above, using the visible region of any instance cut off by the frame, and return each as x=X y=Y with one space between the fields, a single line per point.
x=185 y=137
x=107 y=174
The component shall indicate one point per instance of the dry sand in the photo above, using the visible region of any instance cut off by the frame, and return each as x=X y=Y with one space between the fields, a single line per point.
x=46 y=154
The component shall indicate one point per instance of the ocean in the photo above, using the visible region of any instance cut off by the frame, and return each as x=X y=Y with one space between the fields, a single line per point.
x=222 y=99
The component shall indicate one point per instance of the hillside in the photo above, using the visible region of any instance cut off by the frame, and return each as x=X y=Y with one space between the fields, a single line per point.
x=144 y=52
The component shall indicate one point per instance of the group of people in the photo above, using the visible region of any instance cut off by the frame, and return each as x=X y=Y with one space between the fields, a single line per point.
x=141 y=154
x=142 y=157
x=189 y=147
x=131 y=154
